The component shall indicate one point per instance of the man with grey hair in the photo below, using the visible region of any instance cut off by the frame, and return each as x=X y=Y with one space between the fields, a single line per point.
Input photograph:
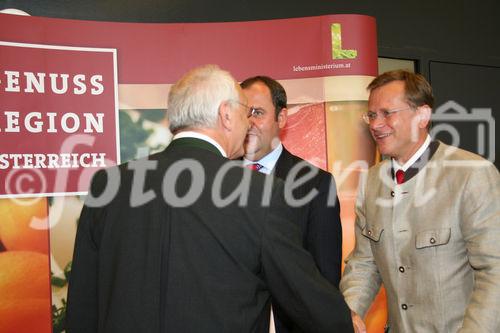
x=211 y=241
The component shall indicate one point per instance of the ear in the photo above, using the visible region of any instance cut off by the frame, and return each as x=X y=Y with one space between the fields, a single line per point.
x=282 y=118
x=225 y=115
x=424 y=114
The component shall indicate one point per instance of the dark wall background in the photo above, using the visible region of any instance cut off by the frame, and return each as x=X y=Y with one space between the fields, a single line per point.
x=455 y=43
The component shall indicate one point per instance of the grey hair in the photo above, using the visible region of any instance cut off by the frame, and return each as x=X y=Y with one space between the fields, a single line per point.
x=194 y=100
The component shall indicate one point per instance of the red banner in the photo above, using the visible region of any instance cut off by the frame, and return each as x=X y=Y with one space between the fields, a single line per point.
x=161 y=53
x=58 y=117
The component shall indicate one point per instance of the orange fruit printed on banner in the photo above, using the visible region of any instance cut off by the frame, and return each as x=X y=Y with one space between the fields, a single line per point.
x=25 y=316
x=23 y=224
x=25 y=292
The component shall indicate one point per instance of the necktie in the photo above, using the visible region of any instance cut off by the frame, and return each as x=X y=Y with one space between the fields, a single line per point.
x=400 y=176
x=255 y=166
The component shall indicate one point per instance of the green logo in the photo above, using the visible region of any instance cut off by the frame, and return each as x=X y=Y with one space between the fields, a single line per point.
x=337 y=51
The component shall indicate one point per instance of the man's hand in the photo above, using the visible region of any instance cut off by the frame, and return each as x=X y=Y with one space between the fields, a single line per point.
x=358 y=323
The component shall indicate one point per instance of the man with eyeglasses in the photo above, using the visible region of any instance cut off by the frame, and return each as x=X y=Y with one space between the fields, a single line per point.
x=427 y=222
x=319 y=218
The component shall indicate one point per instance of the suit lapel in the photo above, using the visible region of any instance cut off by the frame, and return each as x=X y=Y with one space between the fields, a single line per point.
x=283 y=165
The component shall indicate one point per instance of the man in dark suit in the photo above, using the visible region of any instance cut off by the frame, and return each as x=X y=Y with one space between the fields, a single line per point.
x=188 y=241
x=316 y=202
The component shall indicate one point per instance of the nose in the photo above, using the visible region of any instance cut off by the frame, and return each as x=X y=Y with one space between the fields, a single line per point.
x=251 y=121
x=377 y=123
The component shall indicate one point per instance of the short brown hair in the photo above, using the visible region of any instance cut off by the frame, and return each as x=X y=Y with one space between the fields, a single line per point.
x=278 y=93
x=418 y=91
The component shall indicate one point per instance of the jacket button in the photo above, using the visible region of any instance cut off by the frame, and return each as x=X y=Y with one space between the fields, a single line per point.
x=404 y=306
x=432 y=240
x=401 y=269
x=369 y=232
x=393 y=194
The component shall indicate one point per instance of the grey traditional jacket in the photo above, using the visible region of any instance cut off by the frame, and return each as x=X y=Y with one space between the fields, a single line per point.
x=433 y=241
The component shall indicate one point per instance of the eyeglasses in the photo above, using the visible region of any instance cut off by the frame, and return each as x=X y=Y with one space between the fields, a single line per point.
x=370 y=116
x=252 y=111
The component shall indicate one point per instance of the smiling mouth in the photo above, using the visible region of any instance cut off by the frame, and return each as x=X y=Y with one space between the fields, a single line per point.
x=380 y=136
x=250 y=137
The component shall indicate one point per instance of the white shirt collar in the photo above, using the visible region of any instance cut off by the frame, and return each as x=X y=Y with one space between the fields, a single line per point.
x=396 y=166
x=269 y=161
x=196 y=135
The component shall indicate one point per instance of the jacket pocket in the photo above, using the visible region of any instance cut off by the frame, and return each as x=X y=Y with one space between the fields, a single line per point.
x=436 y=237
x=372 y=232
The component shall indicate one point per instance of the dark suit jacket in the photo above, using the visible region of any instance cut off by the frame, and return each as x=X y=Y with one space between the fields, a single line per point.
x=194 y=265
x=319 y=222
